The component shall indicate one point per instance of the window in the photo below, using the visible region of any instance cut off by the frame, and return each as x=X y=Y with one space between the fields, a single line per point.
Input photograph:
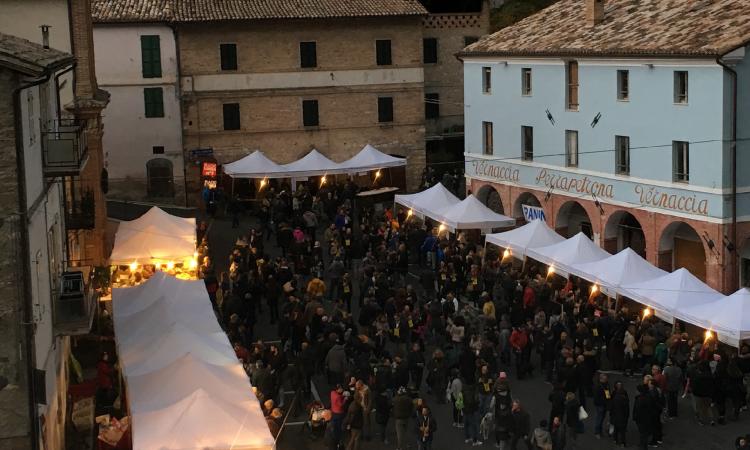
x=153 y=99
x=487 y=138
x=151 y=56
x=681 y=87
x=308 y=54
x=159 y=176
x=527 y=143
x=623 y=85
x=571 y=79
x=622 y=155
x=526 y=81
x=228 y=53
x=383 y=52
x=429 y=50
x=571 y=148
x=487 y=80
x=231 y=116
x=385 y=109
x=680 y=161
x=468 y=40
x=158 y=149
x=310 y=116
x=431 y=106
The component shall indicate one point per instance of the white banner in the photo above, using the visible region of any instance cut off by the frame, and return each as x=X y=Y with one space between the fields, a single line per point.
x=533 y=212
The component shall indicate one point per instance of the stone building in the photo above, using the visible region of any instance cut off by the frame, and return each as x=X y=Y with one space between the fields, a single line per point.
x=334 y=76
x=54 y=211
x=448 y=28
x=617 y=119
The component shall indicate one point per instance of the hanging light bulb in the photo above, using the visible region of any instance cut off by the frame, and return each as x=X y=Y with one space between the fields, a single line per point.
x=194 y=263
x=263 y=183
x=709 y=335
x=133 y=266
x=170 y=265
x=506 y=253
x=322 y=180
x=550 y=270
x=646 y=313
x=594 y=289
x=377 y=174
x=410 y=213
x=441 y=228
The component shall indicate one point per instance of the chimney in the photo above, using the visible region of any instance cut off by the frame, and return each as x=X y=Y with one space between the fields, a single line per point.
x=45 y=35
x=594 y=12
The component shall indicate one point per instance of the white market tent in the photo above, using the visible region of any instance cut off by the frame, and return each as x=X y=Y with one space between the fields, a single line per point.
x=254 y=165
x=729 y=317
x=613 y=273
x=156 y=235
x=671 y=294
x=186 y=388
x=428 y=202
x=534 y=234
x=160 y=388
x=578 y=249
x=312 y=164
x=370 y=158
x=470 y=213
x=202 y=421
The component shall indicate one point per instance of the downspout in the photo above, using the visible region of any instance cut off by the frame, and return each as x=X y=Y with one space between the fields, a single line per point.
x=28 y=320
x=179 y=97
x=733 y=158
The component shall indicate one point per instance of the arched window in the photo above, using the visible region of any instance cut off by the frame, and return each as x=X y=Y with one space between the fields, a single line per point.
x=160 y=179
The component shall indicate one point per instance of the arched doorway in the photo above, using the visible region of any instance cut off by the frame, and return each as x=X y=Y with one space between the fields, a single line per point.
x=160 y=178
x=624 y=230
x=681 y=246
x=572 y=219
x=744 y=253
x=491 y=198
x=528 y=199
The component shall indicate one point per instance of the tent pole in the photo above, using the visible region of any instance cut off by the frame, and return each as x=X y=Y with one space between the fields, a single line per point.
x=232 y=187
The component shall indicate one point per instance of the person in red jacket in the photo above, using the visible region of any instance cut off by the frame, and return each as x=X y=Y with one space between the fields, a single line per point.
x=529 y=300
x=519 y=342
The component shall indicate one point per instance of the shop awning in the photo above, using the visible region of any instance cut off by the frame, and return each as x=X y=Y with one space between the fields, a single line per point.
x=576 y=250
x=672 y=293
x=472 y=214
x=155 y=236
x=534 y=234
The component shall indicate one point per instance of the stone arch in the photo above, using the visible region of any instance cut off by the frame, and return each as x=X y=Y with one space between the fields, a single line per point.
x=488 y=195
x=525 y=198
x=624 y=230
x=572 y=218
x=680 y=245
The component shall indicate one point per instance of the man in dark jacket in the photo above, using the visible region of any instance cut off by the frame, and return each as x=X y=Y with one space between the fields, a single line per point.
x=471 y=414
x=354 y=421
x=503 y=414
x=620 y=413
x=673 y=375
x=643 y=415
x=402 y=410
x=557 y=400
x=602 y=401
x=521 y=426
x=415 y=363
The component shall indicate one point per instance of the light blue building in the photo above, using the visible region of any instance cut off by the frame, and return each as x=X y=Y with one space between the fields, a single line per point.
x=618 y=118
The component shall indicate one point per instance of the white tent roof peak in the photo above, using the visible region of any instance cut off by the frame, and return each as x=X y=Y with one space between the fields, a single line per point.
x=534 y=234
x=370 y=158
x=616 y=271
x=470 y=213
x=577 y=249
x=729 y=316
x=428 y=202
x=155 y=235
x=312 y=164
x=254 y=165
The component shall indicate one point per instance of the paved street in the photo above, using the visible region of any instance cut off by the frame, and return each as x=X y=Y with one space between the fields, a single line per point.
x=682 y=433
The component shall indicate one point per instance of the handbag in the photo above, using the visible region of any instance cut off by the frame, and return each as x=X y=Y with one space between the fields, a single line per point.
x=582 y=414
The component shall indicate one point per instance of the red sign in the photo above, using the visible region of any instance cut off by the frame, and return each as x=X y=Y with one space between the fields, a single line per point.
x=208 y=170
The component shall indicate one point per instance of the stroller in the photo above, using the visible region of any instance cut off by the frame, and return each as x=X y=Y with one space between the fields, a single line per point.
x=318 y=418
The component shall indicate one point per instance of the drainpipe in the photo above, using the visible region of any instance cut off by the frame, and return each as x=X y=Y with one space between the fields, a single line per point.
x=733 y=157
x=28 y=319
x=179 y=97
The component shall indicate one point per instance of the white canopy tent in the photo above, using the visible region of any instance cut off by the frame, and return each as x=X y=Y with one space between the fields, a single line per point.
x=613 y=273
x=370 y=158
x=671 y=294
x=312 y=164
x=429 y=201
x=470 y=213
x=203 y=421
x=534 y=234
x=165 y=313
x=254 y=165
x=729 y=317
x=156 y=235
x=140 y=297
x=578 y=249
x=160 y=388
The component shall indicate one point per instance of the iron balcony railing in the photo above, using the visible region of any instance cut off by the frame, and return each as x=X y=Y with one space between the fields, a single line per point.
x=75 y=304
x=64 y=148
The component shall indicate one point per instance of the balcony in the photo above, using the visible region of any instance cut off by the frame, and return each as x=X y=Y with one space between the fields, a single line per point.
x=75 y=303
x=64 y=149
x=80 y=214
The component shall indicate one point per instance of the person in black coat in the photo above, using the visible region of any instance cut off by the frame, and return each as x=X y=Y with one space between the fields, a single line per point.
x=382 y=414
x=521 y=426
x=557 y=399
x=572 y=422
x=643 y=415
x=620 y=413
x=602 y=402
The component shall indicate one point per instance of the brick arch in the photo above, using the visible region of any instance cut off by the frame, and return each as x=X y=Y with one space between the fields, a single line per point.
x=524 y=197
x=620 y=230
x=491 y=197
x=562 y=215
x=666 y=253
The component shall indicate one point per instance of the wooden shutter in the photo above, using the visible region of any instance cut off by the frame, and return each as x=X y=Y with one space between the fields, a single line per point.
x=151 y=56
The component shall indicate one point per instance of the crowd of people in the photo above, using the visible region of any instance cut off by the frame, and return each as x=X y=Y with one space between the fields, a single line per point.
x=456 y=330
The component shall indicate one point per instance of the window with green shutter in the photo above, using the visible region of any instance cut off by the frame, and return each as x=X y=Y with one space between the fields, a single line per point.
x=153 y=98
x=151 y=56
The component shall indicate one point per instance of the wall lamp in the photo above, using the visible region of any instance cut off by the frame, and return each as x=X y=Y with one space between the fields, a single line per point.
x=729 y=245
